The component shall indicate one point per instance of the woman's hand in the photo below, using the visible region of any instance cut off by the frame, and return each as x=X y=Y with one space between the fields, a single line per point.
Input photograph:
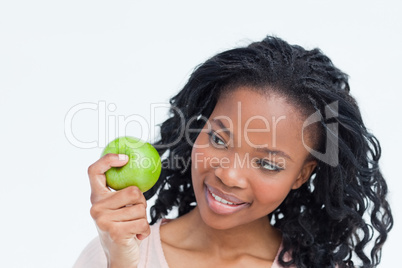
x=120 y=216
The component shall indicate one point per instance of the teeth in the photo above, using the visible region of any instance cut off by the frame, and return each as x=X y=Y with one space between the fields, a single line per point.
x=219 y=199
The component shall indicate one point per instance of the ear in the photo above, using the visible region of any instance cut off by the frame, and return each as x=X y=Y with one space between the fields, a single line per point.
x=304 y=174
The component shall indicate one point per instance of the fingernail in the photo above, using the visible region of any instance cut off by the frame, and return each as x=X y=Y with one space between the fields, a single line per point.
x=123 y=157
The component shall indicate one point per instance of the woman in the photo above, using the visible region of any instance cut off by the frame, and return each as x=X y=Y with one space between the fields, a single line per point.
x=282 y=171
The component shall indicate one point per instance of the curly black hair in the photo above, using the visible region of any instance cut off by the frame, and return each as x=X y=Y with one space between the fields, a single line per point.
x=330 y=220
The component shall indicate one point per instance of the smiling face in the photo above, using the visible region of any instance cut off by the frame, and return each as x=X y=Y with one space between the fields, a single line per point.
x=247 y=158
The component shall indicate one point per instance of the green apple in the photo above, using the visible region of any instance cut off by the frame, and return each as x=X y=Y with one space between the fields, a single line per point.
x=142 y=169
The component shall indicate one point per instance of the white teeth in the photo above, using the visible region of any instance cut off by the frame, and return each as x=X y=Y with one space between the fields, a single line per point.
x=219 y=199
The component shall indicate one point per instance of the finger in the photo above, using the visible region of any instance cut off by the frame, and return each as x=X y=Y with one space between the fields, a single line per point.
x=96 y=171
x=120 y=231
x=129 y=213
x=139 y=228
x=131 y=195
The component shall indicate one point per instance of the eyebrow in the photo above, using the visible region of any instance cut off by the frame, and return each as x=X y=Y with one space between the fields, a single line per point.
x=222 y=126
x=274 y=152
x=264 y=149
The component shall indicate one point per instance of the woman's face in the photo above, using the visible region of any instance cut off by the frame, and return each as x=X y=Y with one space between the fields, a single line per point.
x=247 y=158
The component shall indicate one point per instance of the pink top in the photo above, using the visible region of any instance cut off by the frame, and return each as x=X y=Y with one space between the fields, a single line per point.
x=151 y=253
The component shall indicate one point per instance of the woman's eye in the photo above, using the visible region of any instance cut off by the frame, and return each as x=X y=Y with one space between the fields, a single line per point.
x=215 y=139
x=268 y=165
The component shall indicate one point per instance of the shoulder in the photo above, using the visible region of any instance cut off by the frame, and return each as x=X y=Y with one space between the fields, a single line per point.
x=151 y=252
x=92 y=256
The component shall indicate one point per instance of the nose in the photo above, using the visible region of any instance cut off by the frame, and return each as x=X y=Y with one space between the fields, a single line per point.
x=232 y=174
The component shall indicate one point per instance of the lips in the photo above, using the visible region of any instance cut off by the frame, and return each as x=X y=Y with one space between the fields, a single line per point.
x=223 y=203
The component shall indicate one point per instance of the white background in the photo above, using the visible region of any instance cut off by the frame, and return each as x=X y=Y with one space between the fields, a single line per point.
x=55 y=55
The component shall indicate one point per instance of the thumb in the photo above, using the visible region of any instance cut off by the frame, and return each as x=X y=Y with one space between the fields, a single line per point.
x=96 y=173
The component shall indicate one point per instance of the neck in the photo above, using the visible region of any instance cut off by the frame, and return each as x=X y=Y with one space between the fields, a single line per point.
x=256 y=236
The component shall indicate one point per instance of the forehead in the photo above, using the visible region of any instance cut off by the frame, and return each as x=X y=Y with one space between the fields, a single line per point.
x=261 y=117
x=248 y=103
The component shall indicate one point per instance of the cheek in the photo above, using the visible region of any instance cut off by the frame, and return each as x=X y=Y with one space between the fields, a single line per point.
x=199 y=155
x=202 y=154
x=271 y=191
x=197 y=159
